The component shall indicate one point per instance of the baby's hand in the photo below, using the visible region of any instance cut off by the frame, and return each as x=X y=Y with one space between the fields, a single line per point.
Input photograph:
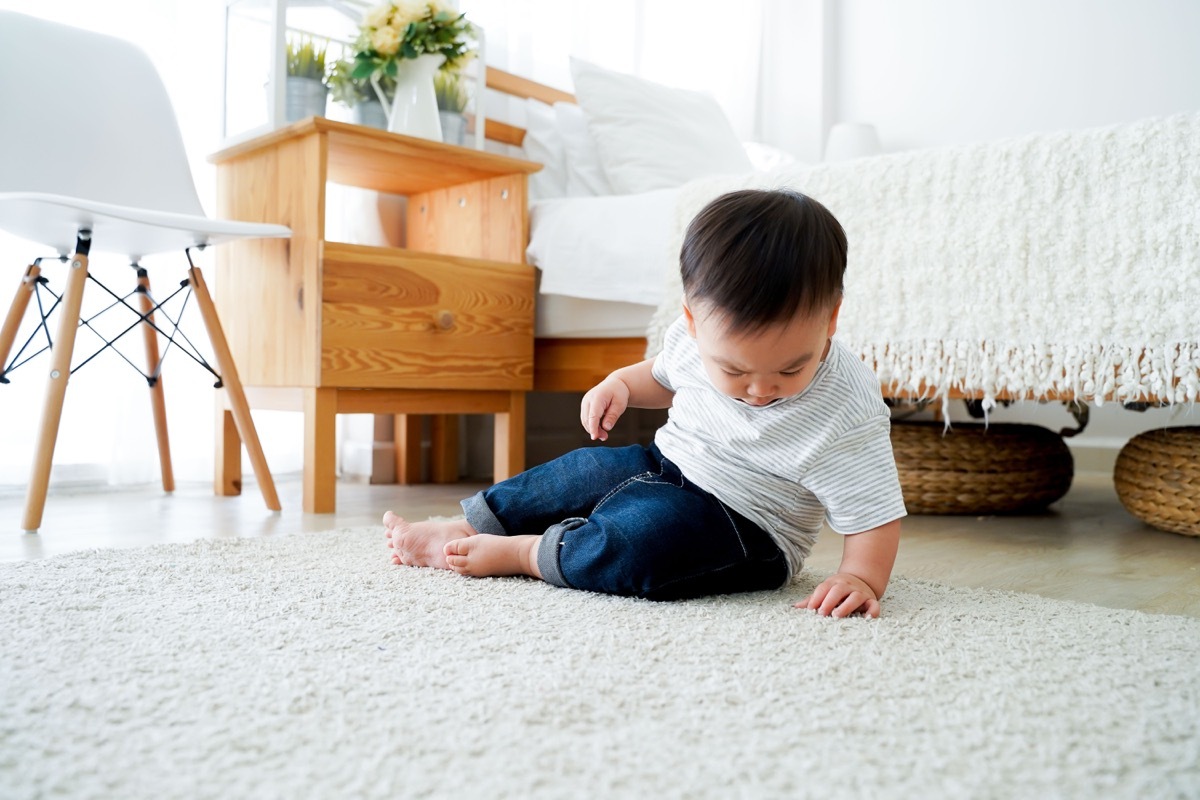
x=602 y=406
x=841 y=595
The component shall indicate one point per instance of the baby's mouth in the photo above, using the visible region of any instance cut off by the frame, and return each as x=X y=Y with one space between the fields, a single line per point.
x=758 y=403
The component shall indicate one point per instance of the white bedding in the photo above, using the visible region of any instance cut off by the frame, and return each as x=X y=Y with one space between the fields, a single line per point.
x=1065 y=262
x=603 y=248
x=562 y=317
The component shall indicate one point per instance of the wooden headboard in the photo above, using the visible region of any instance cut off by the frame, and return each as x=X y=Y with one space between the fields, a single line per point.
x=516 y=86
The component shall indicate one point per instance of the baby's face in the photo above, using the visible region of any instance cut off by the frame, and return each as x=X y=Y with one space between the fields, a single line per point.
x=760 y=368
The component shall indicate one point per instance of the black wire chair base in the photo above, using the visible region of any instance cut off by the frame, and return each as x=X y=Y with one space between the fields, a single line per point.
x=175 y=336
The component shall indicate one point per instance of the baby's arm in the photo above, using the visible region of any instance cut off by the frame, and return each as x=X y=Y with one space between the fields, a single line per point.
x=632 y=386
x=862 y=577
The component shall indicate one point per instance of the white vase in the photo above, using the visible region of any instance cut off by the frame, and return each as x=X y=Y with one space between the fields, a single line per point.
x=414 y=108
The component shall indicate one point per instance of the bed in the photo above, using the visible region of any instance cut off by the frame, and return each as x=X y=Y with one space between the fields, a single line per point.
x=1018 y=269
x=1060 y=267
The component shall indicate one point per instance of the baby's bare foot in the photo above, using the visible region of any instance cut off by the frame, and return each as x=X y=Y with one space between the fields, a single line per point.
x=485 y=554
x=421 y=544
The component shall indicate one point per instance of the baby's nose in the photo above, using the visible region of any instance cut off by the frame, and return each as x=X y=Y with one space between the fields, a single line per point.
x=760 y=388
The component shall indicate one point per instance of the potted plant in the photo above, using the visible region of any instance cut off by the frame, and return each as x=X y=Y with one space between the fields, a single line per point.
x=407 y=41
x=306 y=75
x=450 y=89
x=359 y=95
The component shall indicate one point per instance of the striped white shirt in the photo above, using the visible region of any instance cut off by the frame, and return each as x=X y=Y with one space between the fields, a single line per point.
x=824 y=454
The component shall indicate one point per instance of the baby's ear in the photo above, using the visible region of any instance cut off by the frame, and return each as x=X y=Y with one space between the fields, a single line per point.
x=833 y=318
x=691 y=321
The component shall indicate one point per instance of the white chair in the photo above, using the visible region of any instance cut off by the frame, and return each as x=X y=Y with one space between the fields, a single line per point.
x=91 y=157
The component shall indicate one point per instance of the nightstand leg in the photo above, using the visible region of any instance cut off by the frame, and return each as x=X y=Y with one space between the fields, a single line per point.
x=320 y=451
x=227 y=481
x=407 y=438
x=444 y=456
x=509 y=442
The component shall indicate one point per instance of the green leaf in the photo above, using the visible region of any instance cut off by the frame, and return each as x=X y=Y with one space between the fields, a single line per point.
x=362 y=69
x=391 y=68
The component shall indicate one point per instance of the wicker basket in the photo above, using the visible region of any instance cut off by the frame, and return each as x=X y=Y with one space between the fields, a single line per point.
x=1157 y=478
x=977 y=469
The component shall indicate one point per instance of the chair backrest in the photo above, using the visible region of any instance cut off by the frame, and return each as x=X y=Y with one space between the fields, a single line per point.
x=85 y=115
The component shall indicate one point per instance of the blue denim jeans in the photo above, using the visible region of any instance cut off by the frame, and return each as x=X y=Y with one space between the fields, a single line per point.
x=625 y=521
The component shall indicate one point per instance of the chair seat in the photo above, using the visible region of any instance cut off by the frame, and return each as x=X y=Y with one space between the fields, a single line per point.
x=55 y=220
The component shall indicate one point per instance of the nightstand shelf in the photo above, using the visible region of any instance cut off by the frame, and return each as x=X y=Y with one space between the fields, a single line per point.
x=443 y=325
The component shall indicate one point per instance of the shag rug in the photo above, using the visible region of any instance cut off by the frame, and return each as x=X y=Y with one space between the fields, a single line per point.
x=1054 y=262
x=307 y=666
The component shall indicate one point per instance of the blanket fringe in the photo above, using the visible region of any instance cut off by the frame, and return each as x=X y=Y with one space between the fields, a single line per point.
x=931 y=369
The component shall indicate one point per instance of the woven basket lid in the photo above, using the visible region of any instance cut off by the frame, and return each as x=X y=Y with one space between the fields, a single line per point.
x=980 y=469
x=1157 y=478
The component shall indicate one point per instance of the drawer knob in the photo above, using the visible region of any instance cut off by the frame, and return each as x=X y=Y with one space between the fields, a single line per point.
x=445 y=320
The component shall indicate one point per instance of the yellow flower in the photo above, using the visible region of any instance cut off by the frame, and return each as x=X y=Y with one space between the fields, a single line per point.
x=377 y=17
x=386 y=40
x=406 y=11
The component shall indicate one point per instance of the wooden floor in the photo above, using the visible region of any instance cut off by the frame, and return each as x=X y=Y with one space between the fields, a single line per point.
x=1087 y=548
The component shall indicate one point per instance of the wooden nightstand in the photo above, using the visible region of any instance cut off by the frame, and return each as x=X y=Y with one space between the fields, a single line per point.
x=441 y=326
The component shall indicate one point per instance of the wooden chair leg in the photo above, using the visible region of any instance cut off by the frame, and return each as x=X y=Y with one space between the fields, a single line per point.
x=320 y=451
x=16 y=312
x=407 y=438
x=158 y=403
x=236 y=396
x=56 y=391
x=509 y=443
x=443 y=458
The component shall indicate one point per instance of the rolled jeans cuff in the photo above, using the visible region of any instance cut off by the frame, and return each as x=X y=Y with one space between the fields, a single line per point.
x=480 y=516
x=548 y=551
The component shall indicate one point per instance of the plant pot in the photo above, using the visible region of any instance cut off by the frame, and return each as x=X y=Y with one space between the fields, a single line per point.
x=304 y=97
x=454 y=127
x=370 y=113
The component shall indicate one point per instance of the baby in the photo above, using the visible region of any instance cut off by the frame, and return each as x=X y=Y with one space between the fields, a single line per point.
x=774 y=428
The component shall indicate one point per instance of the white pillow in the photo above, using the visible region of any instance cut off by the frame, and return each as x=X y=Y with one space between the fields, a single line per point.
x=650 y=136
x=544 y=144
x=585 y=175
x=765 y=157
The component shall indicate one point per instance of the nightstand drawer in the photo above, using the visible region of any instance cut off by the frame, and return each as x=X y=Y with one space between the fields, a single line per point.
x=394 y=318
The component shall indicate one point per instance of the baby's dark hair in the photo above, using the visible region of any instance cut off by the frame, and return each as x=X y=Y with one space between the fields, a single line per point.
x=763 y=257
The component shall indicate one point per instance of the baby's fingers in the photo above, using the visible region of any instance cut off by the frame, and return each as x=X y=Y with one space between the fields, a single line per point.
x=590 y=415
x=599 y=416
x=853 y=602
x=813 y=601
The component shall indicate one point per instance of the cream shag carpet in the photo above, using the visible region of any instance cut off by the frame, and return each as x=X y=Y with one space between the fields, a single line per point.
x=306 y=666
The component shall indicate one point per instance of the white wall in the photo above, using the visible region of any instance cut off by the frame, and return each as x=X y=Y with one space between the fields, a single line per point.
x=933 y=72
x=939 y=72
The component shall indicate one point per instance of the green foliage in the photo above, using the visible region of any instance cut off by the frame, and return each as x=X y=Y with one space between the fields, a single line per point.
x=306 y=59
x=350 y=91
x=390 y=33
x=450 y=90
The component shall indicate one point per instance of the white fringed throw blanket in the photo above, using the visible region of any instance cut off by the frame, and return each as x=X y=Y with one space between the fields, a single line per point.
x=1065 y=263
